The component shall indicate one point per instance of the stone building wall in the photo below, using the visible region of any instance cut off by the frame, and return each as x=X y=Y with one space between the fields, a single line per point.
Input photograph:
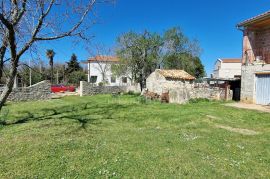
x=159 y=84
x=183 y=95
x=248 y=81
x=39 y=91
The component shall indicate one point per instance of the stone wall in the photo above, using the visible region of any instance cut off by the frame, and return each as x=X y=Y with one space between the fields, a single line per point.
x=248 y=81
x=183 y=95
x=39 y=91
x=88 y=89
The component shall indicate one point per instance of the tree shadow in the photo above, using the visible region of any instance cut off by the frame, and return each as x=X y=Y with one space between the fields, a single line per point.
x=82 y=114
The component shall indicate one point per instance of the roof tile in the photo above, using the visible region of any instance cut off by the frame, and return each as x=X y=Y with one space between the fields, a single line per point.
x=103 y=58
x=176 y=74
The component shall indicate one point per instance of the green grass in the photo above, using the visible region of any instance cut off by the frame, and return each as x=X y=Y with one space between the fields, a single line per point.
x=104 y=136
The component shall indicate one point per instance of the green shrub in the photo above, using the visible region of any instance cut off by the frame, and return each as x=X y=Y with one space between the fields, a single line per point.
x=75 y=77
x=132 y=93
x=198 y=100
x=142 y=100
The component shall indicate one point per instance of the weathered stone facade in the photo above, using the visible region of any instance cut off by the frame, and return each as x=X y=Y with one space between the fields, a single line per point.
x=39 y=91
x=159 y=84
x=183 y=95
x=181 y=91
x=248 y=81
x=88 y=89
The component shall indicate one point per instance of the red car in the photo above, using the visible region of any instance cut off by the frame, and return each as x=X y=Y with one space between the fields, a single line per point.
x=62 y=88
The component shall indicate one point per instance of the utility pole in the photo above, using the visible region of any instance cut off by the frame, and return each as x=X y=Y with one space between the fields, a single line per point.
x=30 y=73
x=57 y=77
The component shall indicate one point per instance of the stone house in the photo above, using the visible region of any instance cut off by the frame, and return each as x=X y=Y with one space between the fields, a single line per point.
x=161 y=81
x=180 y=87
x=255 y=81
x=227 y=68
x=99 y=69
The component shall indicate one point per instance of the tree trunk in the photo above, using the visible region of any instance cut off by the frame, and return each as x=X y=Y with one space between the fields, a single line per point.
x=51 y=62
x=141 y=82
x=14 y=65
x=2 y=55
x=8 y=87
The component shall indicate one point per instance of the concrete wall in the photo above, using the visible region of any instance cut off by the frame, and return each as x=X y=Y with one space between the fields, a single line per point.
x=229 y=70
x=226 y=70
x=39 y=91
x=88 y=89
x=248 y=81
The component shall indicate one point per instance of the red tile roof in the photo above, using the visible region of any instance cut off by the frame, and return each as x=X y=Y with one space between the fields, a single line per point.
x=176 y=74
x=255 y=19
x=231 y=60
x=102 y=58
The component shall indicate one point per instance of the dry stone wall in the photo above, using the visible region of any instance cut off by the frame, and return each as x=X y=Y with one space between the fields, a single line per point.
x=39 y=91
x=183 y=95
x=88 y=89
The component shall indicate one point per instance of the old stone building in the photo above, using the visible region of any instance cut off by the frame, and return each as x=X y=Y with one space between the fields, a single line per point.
x=161 y=81
x=179 y=86
x=255 y=82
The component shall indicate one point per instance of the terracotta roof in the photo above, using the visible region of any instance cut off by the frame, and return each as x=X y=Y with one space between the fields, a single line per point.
x=176 y=74
x=104 y=59
x=231 y=60
x=255 y=19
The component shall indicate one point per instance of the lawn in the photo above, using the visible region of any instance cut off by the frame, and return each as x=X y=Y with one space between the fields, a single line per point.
x=126 y=137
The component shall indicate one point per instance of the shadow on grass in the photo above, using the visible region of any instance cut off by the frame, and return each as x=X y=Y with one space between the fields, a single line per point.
x=83 y=114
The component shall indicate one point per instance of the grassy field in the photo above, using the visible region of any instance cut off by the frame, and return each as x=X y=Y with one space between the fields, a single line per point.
x=104 y=136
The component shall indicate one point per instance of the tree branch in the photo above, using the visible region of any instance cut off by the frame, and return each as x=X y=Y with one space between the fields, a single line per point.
x=73 y=29
x=21 y=13
x=37 y=29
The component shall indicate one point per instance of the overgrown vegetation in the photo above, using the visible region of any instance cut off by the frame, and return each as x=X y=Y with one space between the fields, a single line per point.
x=120 y=137
x=142 y=53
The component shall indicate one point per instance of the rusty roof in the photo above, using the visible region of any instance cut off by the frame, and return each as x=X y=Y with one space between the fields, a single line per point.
x=231 y=60
x=103 y=58
x=258 y=18
x=176 y=74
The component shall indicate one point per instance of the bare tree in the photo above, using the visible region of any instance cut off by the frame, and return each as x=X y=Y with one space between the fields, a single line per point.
x=24 y=23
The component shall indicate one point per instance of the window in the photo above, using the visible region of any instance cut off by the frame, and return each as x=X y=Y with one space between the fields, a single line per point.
x=113 y=79
x=124 y=79
x=93 y=79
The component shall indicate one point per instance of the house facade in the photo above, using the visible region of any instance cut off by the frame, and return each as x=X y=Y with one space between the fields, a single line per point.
x=255 y=81
x=99 y=72
x=227 y=68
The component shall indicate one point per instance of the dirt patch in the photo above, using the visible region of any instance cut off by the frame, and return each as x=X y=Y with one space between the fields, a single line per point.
x=60 y=95
x=250 y=106
x=238 y=130
x=212 y=117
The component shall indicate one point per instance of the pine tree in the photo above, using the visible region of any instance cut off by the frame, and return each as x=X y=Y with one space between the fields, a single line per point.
x=73 y=64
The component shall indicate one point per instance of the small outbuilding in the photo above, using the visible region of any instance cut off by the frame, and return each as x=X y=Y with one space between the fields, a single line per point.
x=161 y=81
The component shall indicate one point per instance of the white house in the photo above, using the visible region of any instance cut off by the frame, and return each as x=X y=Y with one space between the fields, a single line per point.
x=100 y=70
x=227 y=68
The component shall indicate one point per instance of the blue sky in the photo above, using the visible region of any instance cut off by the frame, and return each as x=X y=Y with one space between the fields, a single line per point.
x=212 y=22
